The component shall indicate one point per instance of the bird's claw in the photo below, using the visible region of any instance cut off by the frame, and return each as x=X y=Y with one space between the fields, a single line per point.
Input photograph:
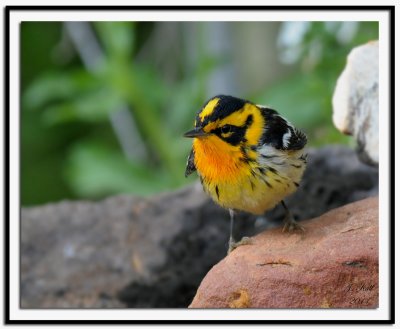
x=291 y=225
x=233 y=245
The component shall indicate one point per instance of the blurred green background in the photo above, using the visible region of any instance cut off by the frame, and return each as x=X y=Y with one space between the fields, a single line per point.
x=105 y=104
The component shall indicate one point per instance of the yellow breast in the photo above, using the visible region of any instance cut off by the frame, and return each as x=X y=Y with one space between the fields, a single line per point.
x=236 y=184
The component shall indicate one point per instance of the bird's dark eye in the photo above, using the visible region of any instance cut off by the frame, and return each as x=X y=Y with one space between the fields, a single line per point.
x=226 y=129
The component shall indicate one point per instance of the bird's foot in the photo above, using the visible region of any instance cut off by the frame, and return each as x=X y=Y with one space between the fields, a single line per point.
x=233 y=245
x=290 y=225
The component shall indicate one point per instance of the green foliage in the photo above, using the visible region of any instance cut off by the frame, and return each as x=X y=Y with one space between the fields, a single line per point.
x=95 y=165
x=306 y=96
x=72 y=146
x=98 y=170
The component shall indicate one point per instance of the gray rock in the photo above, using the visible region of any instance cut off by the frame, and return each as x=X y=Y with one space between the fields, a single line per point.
x=127 y=251
x=356 y=100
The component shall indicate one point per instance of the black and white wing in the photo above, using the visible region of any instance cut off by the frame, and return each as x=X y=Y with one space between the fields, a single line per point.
x=190 y=166
x=279 y=133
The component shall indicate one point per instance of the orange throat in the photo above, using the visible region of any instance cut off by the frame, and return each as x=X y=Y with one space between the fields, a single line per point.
x=216 y=161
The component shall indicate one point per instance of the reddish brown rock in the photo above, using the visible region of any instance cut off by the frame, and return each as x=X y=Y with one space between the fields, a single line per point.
x=334 y=264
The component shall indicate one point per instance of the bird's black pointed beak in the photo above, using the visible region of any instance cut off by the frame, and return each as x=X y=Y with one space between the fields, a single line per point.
x=196 y=132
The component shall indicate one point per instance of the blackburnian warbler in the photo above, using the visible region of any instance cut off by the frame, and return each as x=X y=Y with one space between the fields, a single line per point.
x=248 y=157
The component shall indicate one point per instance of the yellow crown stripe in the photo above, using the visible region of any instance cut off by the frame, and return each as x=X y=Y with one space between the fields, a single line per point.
x=209 y=108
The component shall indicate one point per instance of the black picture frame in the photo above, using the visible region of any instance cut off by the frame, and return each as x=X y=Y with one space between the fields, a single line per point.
x=9 y=9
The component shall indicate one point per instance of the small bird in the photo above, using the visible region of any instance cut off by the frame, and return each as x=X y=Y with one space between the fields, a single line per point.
x=248 y=158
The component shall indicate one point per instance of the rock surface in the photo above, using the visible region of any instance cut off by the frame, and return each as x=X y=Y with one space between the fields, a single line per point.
x=127 y=251
x=334 y=264
x=356 y=100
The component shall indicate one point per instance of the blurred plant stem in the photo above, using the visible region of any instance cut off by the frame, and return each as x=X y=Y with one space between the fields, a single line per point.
x=118 y=68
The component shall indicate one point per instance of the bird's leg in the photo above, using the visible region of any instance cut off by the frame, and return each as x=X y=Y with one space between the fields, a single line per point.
x=232 y=244
x=231 y=240
x=289 y=223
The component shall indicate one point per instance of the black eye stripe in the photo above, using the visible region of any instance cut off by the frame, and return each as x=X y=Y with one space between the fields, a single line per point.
x=226 y=129
x=235 y=138
x=236 y=133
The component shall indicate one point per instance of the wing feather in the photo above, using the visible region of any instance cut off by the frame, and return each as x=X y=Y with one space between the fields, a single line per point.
x=190 y=166
x=279 y=133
